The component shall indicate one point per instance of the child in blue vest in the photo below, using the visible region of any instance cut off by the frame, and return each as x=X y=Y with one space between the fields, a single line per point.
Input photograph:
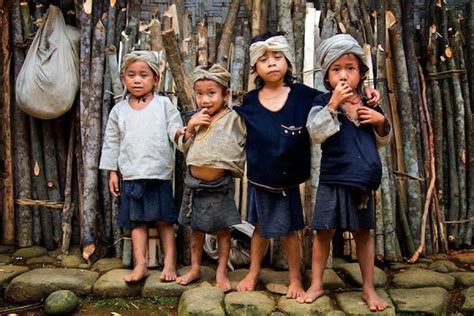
x=349 y=132
x=278 y=155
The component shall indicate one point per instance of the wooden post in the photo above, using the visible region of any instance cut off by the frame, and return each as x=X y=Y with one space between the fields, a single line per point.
x=410 y=151
x=227 y=33
x=8 y=218
x=285 y=24
x=21 y=143
x=299 y=13
x=183 y=86
x=203 y=43
x=68 y=207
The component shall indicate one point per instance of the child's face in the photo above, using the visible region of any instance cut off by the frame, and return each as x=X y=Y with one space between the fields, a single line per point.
x=272 y=67
x=345 y=68
x=139 y=79
x=210 y=95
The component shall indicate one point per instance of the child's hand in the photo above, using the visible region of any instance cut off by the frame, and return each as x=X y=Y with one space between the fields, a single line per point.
x=341 y=93
x=370 y=116
x=373 y=96
x=200 y=118
x=114 y=184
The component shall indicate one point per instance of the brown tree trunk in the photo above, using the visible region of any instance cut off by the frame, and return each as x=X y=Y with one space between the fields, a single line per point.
x=203 y=42
x=68 y=207
x=299 y=12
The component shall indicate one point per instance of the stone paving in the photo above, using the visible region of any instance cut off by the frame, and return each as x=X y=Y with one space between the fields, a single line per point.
x=426 y=288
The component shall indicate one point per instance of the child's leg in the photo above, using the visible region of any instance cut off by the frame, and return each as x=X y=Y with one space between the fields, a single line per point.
x=292 y=248
x=140 y=254
x=321 y=248
x=223 y=244
x=197 y=242
x=366 y=257
x=257 y=251
x=169 y=247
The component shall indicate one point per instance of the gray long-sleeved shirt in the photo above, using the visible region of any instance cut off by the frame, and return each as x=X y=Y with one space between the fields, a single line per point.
x=139 y=143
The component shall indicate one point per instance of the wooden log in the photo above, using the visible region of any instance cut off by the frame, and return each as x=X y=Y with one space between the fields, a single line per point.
x=51 y=178
x=391 y=245
x=453 y=209
x=284 y=22
x=467 y=159
x=264 y=8
x=188 y=49
x=61 y=150
x=400 y=162
x=299 y=13
x=211 y=40
x=460 y=122
x=87 y=215
x=410 y=151
x=432 y=175
x=155 y=35
x=227 y=33
x=8 y=214
x=39 y=184
x=111 y=57
x=68 y=209
x=22 y=158
x=203 y=42
x=26 y=20
x=256 y=18
x=183 y=86
x=369 y=32
x=308 y=64
x=238 y=69
x=120 y=20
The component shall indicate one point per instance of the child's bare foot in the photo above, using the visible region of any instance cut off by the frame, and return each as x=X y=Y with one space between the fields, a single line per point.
x=311 y=295
x=373 y=300
x=168 y=274
x=295 y=289
x=223 y=282
x=249 y=283
x=189 y=277
x=139 y=272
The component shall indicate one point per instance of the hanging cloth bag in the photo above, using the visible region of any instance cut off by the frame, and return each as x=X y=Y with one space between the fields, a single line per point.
x=49 y=78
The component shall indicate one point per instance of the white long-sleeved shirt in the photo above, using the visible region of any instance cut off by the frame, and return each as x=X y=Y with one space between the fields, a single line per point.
x=139 y=143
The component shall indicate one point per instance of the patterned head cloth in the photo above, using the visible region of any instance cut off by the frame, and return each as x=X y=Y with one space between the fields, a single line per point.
x=273 y=44
x=334 y=47
x=141 y=55
x=216 y=73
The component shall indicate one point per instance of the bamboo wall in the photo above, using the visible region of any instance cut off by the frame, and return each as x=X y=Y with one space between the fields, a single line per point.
x=425 y=203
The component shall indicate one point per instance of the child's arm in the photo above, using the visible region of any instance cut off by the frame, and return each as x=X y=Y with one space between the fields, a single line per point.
x=111 y=146
x=382 y=128
x=114 y=183
x=373 y=96
x=322 y=119
x=200 y=118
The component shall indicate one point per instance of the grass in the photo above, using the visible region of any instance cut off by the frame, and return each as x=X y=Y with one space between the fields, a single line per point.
x=131 y=303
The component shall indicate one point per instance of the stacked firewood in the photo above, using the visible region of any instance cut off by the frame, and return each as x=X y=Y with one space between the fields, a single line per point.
x=56 y=196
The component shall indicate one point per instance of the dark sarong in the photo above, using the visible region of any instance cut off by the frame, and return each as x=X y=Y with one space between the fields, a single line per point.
x=208 y=206
x=145 y=201
x=342 y=207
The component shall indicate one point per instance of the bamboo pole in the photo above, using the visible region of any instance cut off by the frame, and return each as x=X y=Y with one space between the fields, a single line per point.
x=410 y=152
x=22 y=151
x=67 y=212
x=227 y=33
x=8 y=216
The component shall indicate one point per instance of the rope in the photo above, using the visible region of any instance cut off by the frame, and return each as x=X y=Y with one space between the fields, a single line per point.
x=45 y=203
x=460 y=221
x=445 y=74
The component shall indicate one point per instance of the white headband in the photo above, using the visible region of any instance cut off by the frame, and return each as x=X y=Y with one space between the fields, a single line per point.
x=273 y=44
